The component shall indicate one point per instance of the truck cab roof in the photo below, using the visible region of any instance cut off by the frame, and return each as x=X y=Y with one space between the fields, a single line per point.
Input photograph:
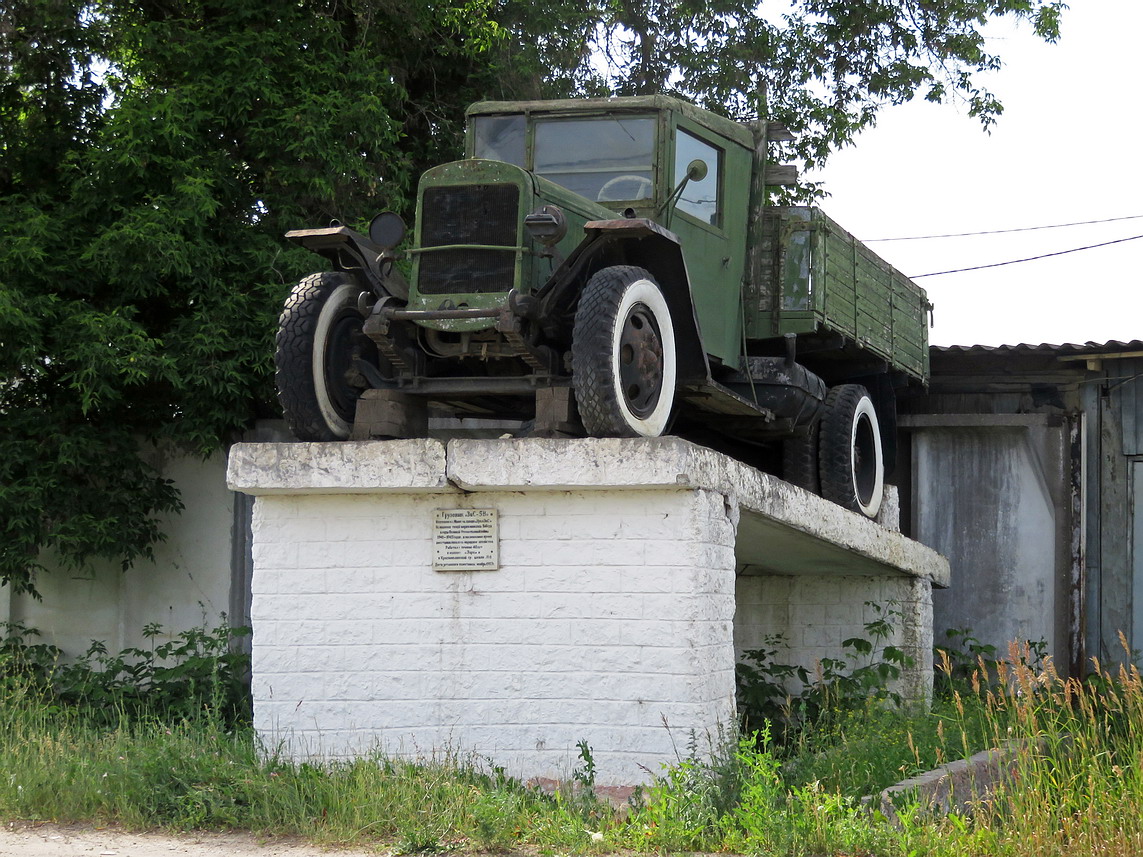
x=727 y=128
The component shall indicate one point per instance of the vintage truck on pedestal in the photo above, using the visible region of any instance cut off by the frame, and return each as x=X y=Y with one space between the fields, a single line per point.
x=609 y=267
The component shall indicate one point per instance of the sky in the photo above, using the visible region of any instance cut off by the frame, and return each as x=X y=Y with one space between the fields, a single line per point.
x=1067 y=148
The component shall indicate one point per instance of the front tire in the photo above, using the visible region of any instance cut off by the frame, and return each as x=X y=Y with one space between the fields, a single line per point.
x=318 y=334
x=623 y=355
x=851 y=461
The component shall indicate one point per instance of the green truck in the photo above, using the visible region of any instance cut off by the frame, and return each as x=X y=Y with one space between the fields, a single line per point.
x=610 y=267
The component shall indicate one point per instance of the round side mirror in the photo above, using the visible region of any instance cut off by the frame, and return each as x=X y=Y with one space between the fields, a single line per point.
x=696 y=170
x=387 y=229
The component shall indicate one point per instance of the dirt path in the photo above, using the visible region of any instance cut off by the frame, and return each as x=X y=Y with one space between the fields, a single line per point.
x=51 y=840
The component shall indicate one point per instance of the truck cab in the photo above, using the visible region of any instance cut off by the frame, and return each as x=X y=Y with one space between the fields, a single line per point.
x=631 y=156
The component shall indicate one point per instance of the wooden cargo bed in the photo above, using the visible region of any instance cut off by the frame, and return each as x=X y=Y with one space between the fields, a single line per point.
x=819 y=281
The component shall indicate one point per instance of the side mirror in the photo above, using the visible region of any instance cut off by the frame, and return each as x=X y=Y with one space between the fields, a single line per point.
x=387 y=229
x=696 y=170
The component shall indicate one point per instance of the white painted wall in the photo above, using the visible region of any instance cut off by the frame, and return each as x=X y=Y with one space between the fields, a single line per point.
x=185 y=586
x=814 y=614
x=612 y=609
x=611 y=613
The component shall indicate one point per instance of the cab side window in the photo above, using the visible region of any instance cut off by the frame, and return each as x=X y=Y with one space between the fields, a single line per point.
x=701 y=198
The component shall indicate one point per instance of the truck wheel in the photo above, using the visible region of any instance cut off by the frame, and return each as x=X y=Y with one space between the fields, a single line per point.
x=800 y=460
x=851 y=463
x=623 y=355
x=314 y=351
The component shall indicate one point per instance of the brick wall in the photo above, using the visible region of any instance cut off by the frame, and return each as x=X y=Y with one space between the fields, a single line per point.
x=816 y=613
x=612 y=611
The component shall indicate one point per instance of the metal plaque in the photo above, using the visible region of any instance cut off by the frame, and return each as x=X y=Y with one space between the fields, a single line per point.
x=466 y=540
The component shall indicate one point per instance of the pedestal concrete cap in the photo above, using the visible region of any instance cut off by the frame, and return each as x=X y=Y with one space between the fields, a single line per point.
x=347 y=467
x=782 y=529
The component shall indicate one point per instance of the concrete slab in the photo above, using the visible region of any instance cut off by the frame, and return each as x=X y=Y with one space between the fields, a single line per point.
x=350 y=467
x=952 y=787
x=783 y=529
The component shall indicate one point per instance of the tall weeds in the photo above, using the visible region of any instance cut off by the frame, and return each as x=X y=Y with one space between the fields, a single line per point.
x=1077 y=781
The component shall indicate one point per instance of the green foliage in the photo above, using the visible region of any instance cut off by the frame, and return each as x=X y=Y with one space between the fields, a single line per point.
x=1075 y=785
x=763 y=694
x=865 y=750
x=736 y=798
x=824 y=67
x=844 y=727
x=773 y=819
x=962 y=656
x=791 y=702
x=151 y=156
x=192 y=675
x=688 y=805
x=584 y=774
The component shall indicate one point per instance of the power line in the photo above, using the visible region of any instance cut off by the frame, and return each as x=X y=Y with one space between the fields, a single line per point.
x=1005 y=231
x=1029 y=259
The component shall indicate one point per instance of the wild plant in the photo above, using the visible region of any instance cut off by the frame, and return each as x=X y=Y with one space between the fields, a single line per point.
x=790 y=700
x=195 y=673
x=1071 y=751
x=687 y=805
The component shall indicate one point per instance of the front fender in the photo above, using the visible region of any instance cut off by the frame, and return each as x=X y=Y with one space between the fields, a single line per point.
x=648 y=245
x=351 y=251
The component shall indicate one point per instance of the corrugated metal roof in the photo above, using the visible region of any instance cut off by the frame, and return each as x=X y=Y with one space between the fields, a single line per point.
x=1113 y=347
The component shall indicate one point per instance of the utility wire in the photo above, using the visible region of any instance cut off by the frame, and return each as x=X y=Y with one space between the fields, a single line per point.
x=1005 y=231
x=1029 y=259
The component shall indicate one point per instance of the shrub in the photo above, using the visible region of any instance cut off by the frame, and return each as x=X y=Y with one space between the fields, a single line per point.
x=785 y=697
x=198 y=672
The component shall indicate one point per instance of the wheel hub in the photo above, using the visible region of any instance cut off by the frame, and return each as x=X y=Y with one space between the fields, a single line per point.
x=864 y=460
x=640 y=361
x=339 y=356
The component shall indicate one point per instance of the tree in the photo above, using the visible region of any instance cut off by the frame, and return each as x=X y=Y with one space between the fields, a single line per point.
x=825 y=68
x=151 y=156
x=152 y=153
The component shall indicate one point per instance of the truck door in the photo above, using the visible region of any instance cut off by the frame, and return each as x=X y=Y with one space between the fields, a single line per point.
x=710 y=220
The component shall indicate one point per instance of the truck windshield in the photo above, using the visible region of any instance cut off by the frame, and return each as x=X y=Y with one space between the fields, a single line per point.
x=604 y=158
x=607 y=159
x=500 y=138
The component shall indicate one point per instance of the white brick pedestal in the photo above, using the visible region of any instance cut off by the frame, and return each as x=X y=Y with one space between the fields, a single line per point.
x=611 y=612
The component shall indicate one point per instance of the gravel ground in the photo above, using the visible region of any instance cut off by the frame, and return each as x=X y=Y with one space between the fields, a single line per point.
x=51 y=840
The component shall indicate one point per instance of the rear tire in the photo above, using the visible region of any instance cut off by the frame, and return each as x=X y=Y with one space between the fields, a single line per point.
x=317 y=341
x=800 y=460
x=623 y=355
x=851 y=461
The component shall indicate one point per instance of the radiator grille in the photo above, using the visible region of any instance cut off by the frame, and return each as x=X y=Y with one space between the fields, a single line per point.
x=472 y=214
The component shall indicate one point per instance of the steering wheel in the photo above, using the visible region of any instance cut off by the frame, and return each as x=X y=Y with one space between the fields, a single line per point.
x=642 y=185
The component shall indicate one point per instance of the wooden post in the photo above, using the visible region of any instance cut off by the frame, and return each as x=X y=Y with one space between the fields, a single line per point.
x=556 y=414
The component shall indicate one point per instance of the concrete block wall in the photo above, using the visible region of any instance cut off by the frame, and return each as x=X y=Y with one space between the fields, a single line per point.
x=815 y=614
x=186 y=585
x=611 y=612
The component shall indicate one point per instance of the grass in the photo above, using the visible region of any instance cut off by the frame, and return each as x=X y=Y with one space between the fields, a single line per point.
x=1077 y=787
x=862 y=751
